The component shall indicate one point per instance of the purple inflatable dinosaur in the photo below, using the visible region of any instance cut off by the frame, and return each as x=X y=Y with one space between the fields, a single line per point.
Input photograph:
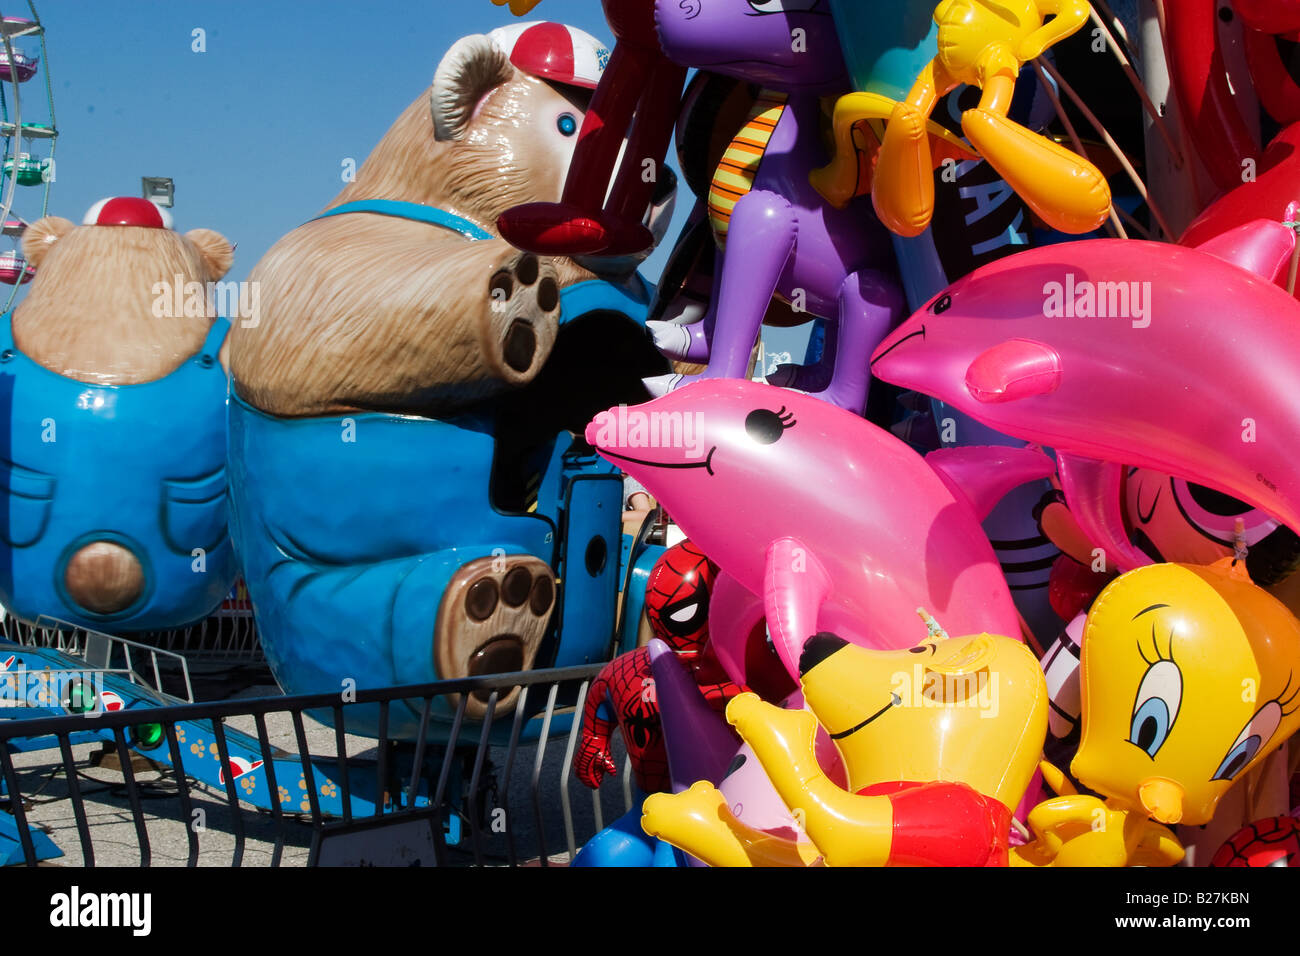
x=778 y=236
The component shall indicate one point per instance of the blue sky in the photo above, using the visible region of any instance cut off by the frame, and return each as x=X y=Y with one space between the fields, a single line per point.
x=254 y=130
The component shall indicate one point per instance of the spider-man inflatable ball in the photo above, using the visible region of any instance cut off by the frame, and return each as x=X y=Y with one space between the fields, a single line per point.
x=1273 y=841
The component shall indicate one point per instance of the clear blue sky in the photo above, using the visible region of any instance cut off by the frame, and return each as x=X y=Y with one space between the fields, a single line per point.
x=254 y=130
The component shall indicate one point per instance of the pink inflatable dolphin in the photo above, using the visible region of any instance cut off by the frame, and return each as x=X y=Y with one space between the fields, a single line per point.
x=1124 y=352
x=832 y=522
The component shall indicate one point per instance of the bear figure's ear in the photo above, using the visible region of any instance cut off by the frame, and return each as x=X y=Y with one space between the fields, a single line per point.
x=214 y=249
x=472 y=68
x=41 y=235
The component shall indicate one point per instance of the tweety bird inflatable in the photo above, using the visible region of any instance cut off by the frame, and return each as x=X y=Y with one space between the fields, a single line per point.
x=1190 y=676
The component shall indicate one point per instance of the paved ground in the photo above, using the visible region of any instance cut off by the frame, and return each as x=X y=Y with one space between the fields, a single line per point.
x=116 y=841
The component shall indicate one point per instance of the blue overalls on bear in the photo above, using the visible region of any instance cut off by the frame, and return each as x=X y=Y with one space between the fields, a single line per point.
x=141 y=466
x=351 y=527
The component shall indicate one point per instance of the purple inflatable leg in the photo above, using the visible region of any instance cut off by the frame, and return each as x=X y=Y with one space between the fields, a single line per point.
x=760 y=240
x=870 y=306
x=814 y=377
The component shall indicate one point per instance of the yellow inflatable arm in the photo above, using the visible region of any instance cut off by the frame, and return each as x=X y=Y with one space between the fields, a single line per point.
x=848 y=830
x=1070 y=15
x=699 y=822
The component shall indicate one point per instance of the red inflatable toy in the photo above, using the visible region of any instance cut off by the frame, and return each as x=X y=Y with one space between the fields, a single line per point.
x=677 y=607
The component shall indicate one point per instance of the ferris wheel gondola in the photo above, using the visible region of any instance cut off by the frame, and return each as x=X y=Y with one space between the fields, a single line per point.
x=29 y=133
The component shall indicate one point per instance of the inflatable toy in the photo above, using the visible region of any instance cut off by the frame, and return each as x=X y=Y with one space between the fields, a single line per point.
x=714 y=110
x=775 y=234
x=1269 y=192
x=640 y=87
x=1223 y=136
x=1079 y=346
x=803 y=506
x=1250 y=177
x=1173 y=519
x=1189 y=679
x=700 y=745
x=1255 y=182
x=405 y=489
x=982 y=47
x=1267 y=22
x=1169 y=519
x=114 y=470
x=885 y=53
x=698 y=741
x=624 y=693
x=921 y=790
x=624 y=843
x=1271 y=842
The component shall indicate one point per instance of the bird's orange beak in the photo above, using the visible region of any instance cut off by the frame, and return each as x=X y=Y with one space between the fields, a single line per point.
x=1162 y=799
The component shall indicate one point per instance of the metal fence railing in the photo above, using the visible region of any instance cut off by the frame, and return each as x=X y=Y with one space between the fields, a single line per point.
x=225 y=636
x=280 y=781
x=89 y=650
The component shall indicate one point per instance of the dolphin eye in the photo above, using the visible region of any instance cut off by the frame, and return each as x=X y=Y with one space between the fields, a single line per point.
x=1254 y=735
x=567 y=124
x=942 y=304
x=766 y=426
x=1156 y=707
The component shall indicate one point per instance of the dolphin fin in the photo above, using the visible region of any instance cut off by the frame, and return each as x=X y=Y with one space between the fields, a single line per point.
x=1263 y=247
x=983 y=475
x=1092 y=490
x=794 y=586
x=700 y=745
x=1012 y=370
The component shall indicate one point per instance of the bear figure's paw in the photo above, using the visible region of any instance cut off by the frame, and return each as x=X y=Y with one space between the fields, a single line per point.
x=522 y=316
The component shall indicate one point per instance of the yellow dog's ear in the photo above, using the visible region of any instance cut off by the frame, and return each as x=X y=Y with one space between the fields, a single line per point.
x=962 y=655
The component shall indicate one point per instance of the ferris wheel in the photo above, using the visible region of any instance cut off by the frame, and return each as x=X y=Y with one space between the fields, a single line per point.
x=29 y=134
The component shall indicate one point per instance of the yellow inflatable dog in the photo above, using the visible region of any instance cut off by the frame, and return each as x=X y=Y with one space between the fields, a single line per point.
x=939 y=740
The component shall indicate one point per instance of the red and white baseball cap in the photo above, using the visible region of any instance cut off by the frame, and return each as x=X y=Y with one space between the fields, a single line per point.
x=128 y=211
x=553 y=51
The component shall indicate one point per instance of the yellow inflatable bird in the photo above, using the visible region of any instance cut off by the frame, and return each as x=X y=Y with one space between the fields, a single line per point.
x=1190 y=676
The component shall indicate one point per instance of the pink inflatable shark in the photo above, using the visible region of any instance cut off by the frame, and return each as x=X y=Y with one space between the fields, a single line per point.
x=832 y=523
x=1123 y=352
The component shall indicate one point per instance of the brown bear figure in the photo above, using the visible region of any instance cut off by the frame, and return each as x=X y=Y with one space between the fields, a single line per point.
x=114 y=467
x=404 y=392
